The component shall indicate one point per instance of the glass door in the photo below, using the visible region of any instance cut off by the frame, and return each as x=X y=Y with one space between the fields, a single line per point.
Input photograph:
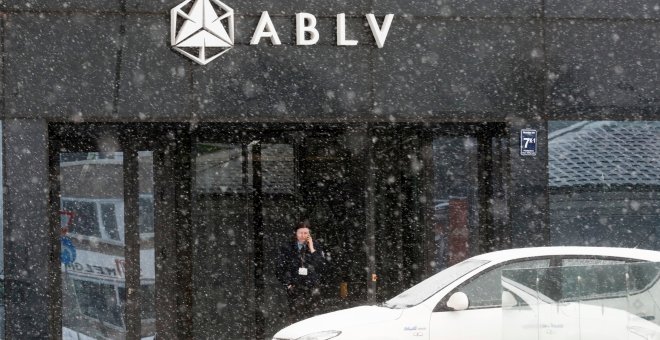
x=244 y=203
x=249 y=192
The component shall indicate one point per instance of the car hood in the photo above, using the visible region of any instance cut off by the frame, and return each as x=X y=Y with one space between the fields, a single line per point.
x=339 y=320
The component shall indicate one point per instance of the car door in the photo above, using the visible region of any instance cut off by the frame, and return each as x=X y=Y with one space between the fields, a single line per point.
x=482 y=320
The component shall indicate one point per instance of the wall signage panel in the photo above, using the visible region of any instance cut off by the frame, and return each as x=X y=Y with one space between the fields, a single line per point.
x=527 y=142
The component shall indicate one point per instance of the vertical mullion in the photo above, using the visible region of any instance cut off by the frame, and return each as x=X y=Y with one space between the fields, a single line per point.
x=487 y=234
x=184 y=234
x=258 y=232
x=370 y=211
x=132 y=243
x=55 y=272
x=427 y=210
x=165 y=245
x=246 y=200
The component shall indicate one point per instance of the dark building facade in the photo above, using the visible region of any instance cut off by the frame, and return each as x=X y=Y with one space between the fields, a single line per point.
x=146 y=192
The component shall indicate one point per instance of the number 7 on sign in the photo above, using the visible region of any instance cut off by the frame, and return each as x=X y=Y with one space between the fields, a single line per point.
x=529 y=140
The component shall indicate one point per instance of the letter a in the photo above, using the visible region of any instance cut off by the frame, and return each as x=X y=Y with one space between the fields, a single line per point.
x=265 y=29
x=380 y=34
x=306 y=22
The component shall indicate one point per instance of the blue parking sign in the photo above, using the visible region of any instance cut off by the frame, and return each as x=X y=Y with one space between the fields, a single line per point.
x=527 y=142
x=68 y=250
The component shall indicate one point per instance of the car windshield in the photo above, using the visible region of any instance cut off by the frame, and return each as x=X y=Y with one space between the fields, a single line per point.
x=427 y=288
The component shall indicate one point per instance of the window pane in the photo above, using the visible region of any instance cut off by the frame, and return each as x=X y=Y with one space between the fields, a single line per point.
x=223 y=271
x=277 y=168
x=146 y=217
x=92 y=257
x=588 y=262
x=99 y=301
x=84 y=219
x=109 y=218
x=604 y=180
x=147 y=258
x=219 y=169
x=486 y=290
x=455 y=200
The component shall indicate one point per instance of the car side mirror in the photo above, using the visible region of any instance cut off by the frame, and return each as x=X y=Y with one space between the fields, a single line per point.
x=508 y=300
x=458 y=301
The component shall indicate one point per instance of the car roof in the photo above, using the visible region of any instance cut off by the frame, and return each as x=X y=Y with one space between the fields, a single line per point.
x=517 y=253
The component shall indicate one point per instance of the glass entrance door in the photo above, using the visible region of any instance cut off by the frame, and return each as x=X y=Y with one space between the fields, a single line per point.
x=248 y=195
x=243 y=202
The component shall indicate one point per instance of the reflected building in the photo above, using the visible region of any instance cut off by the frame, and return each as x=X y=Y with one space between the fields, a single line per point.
x=604 y=183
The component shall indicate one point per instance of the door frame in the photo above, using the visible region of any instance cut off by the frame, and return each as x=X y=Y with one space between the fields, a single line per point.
x=169 y=144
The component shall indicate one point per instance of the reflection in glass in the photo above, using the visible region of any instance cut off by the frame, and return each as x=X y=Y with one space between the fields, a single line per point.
x=109 y=220
x=100 y=302
x=147 y=258
x=84 y=221
x=618 y=301
x=93 y=263
x=454 y=200
x=429 y=287
x=484 y=291
x=604 y=180
x=93 y=289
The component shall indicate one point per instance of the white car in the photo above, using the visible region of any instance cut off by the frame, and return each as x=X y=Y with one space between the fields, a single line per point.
x=465 y=301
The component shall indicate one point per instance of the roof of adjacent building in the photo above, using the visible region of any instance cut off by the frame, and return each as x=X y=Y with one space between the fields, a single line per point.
x=605 y=153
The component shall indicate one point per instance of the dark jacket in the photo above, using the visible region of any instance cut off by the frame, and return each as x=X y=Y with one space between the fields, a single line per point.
x=291 y=259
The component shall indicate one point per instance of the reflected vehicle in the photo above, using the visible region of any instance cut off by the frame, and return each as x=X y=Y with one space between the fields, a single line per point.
x=461 y=302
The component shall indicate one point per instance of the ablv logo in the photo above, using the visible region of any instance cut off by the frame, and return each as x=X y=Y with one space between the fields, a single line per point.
x=202 y=31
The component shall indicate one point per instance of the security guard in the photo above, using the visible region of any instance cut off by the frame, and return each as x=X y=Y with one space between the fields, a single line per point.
x=299 y=268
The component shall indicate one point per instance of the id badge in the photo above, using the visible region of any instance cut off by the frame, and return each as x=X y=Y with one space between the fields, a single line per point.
x=302 y=271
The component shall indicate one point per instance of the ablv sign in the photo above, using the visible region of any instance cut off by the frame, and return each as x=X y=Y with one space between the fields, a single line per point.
x=204 y=30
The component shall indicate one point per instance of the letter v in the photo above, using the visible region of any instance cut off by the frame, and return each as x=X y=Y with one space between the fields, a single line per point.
x=380 y=33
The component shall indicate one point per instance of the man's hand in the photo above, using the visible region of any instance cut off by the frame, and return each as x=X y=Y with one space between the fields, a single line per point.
x=310 y=244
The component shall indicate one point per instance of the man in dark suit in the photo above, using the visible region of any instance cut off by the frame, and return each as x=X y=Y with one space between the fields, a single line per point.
x=299 y=268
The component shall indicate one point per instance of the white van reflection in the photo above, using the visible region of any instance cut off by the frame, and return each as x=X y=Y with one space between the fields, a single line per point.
x=94 y=296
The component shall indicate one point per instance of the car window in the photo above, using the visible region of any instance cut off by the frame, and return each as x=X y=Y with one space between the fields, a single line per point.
x=604 y=277
x=485 y=291
x=591 y=278
x=429 y=287
x=589 y=261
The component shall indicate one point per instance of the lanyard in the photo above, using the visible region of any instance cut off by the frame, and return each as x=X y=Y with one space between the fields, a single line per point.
x=301 y=253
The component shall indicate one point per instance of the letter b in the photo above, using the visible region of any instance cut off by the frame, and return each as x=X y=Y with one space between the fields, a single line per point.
x=306 y=23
